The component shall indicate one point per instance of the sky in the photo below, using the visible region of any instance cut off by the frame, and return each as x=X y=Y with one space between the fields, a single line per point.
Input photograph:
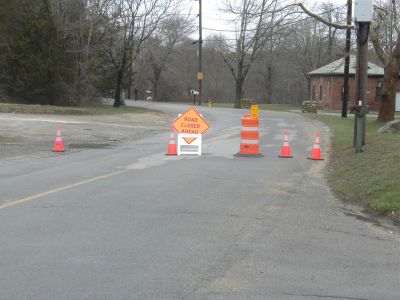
x=214 y=19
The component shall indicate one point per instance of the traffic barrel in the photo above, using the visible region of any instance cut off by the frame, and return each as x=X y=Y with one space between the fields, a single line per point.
x=249 y=137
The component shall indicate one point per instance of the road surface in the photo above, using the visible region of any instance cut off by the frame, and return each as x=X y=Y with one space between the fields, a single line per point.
x=129 y=222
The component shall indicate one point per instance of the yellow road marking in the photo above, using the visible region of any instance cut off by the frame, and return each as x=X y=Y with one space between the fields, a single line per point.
x=60 y=189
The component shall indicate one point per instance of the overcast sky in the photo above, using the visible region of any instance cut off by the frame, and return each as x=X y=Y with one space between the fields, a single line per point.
x=214 y=19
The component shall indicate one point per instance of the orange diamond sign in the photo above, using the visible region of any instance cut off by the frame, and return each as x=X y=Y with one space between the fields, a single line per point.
x=190 y=122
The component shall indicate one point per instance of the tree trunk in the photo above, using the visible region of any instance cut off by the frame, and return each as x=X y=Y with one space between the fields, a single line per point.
x=238 y=93
x=155 y=91
x=156 y=81
x=387 y=108
x=118 y=88
x=268 y=85
x=239 y=86
x=130 y=81
x=120 y=80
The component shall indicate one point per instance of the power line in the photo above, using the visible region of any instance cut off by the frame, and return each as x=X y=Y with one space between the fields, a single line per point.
x=286 y=24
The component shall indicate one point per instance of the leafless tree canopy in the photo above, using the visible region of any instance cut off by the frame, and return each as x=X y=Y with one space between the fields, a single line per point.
x=121 y=48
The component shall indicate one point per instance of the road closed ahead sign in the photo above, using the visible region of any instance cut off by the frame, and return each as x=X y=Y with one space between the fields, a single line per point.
x=190 y=122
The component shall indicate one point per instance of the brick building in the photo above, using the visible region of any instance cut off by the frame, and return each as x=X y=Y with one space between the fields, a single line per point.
x=326 y=85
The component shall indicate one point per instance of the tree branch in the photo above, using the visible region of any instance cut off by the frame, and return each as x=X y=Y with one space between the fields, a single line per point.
x=319 y=18
x=375 y=35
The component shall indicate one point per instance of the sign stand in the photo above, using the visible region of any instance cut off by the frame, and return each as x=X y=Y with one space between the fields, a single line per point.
x=190 y=126
x=185 y=148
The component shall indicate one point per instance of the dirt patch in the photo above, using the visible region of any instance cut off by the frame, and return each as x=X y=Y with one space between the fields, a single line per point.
x=26 y=135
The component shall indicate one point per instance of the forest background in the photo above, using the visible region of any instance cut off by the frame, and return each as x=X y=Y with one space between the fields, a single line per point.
x=75 y=52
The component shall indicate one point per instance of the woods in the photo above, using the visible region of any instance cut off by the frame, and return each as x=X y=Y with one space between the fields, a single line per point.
x=73 y=52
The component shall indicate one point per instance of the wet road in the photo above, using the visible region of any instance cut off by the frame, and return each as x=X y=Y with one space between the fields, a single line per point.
x=131 y=223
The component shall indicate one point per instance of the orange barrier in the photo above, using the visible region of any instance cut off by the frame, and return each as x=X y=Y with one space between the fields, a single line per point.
x=58 y=144
x=316 y=151
x=249 y=137
x=171 y=145
x=285 y=149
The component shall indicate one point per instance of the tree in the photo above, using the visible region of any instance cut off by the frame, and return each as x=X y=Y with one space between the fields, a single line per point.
x=171 y=33
x=218 y=77
x=130 y=24
x=35 y=65
x=81 y=24
x=332 y=14
x=305 y=43
x=255 y=19
x=385 y=36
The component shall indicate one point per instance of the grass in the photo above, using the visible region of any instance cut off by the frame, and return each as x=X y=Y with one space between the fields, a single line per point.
x=371 y=178
x=61 y=110
x=373 y=113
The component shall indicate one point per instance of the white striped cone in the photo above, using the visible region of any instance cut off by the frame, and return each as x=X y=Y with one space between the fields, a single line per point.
x=58 y=144
x=316 y=151
x=285 y=149
x=171 y=145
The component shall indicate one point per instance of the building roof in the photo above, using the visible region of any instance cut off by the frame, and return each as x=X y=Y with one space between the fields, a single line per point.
x=337 y=68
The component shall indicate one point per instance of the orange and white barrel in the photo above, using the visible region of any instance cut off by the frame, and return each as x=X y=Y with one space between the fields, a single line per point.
x=249 y=137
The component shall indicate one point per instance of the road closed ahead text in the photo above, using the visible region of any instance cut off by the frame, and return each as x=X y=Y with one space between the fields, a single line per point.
x=190 y=122
x=190 y=125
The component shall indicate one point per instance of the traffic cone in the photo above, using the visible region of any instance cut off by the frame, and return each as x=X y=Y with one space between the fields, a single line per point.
x=316 y=151
x=58 y=144
x=285 y=149
x=171 y=145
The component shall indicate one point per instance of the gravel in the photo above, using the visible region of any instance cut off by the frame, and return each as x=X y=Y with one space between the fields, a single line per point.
x=26 y=136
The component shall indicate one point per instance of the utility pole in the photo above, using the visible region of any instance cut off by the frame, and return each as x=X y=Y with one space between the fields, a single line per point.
x=347 y=62
x=363 y=16
x=200 y=73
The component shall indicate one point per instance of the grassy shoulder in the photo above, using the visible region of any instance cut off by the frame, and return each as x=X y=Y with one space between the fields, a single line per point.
x=371 y=178
x=61 y=110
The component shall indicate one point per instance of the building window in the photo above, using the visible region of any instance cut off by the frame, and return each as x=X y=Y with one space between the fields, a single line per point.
x=320 y=92
x=342 y=93
x=378 y=94
x=313 y=93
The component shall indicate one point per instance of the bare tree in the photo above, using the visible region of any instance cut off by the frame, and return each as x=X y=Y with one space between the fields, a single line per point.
x=218 y=77
x=130 y=24
x=332 y=14
x=79 y=22
x=385 y=36
x=267 y=67
x=183 y=66
x=254 y=18
x=306 y=43
x=172 y=32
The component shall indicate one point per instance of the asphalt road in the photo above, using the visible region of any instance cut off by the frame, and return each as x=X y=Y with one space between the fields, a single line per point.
x=131 y=223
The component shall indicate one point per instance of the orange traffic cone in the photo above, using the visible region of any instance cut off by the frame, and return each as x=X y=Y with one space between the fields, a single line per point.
x=58 y=144
x=171 y=145
x=285 y=149
x=316 y=151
